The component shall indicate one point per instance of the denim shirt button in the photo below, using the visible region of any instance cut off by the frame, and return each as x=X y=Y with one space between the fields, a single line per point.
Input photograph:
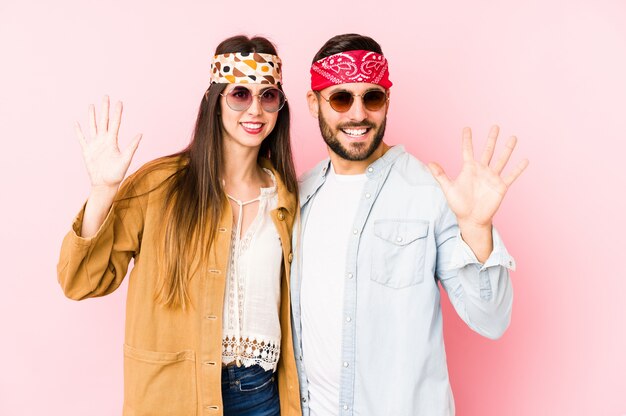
x=345 y=364
x=345 y=407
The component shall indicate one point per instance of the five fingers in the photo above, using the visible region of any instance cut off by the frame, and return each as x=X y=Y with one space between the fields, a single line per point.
x=468 y=156
x=104 y=125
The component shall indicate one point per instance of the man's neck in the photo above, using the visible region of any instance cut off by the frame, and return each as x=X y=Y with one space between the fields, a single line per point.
x=356 y=167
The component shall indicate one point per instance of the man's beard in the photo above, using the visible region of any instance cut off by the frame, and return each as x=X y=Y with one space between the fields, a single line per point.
x=357 y=151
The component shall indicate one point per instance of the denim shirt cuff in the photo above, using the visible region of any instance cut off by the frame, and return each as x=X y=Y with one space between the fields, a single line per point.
x=463 y=254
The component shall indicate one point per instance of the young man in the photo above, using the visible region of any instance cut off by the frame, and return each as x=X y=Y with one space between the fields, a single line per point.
x=379 y=231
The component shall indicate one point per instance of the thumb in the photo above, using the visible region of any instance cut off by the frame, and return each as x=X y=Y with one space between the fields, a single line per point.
x=129 y=152
x=440 y=175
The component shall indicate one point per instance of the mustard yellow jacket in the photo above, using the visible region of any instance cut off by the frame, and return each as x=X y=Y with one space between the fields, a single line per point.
x=172 y=358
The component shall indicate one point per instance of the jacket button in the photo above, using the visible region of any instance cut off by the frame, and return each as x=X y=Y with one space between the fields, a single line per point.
x=290 y=257
x=281 y=215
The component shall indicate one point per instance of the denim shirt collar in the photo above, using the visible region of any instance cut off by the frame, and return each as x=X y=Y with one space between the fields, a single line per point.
x=317 y=176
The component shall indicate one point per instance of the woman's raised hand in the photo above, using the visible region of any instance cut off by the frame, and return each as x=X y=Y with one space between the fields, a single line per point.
x=106 y=163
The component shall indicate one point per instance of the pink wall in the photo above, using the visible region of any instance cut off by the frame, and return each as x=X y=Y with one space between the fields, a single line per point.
x=551 y=72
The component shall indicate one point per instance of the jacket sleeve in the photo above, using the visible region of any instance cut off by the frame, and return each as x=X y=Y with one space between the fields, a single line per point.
x=96 y=266
x=482 y=294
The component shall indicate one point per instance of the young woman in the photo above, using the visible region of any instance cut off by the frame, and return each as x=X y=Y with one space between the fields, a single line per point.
x=208 y=328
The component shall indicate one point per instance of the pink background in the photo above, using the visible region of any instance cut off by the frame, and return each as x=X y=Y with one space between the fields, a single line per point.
x=552 y=72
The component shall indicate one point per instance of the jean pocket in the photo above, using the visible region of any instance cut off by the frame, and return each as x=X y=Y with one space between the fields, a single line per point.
x=162 y=383
x=257 y=382
x=399 y=252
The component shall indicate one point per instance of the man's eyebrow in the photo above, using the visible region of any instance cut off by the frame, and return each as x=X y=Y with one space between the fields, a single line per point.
x=340 y=89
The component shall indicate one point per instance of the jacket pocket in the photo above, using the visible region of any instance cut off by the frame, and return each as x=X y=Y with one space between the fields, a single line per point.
x=159 y=383
x=399 y=252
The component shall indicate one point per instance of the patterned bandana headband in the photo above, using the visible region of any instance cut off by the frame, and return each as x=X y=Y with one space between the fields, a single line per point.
x=246 y=68
x=349 y=67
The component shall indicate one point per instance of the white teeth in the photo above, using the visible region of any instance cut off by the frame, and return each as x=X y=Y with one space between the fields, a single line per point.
x=355 y=132
x=252 y=125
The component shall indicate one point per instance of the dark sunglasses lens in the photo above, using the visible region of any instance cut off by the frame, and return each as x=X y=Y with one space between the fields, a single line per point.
x=272 y=100
x=341 y=101
x=239 y=98
x=374 y=100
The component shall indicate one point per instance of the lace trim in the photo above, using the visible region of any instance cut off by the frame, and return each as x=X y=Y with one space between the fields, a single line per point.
x=251 y=351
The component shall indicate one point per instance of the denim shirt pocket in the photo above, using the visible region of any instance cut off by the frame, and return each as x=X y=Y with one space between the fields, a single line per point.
x=399 y=252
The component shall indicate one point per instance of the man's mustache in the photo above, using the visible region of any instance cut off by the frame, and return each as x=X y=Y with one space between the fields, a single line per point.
x=348 y=125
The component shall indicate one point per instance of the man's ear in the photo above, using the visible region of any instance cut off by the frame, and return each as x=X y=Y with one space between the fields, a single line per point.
x=313 y=102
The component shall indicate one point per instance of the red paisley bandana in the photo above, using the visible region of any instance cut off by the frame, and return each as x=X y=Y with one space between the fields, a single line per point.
x=349 y=67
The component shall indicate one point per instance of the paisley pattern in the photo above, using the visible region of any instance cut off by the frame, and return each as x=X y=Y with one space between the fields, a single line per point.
x=348 y=67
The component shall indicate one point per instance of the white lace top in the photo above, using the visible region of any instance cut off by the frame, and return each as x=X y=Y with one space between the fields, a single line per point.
x=251 y=325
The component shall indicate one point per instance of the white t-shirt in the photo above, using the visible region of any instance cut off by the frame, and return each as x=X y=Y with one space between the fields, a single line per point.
x=323 y=272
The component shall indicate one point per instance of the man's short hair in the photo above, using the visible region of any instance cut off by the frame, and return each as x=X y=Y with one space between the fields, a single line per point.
x=347 y=42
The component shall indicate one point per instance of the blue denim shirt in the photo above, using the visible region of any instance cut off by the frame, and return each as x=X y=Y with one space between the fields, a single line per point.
x=405 y=240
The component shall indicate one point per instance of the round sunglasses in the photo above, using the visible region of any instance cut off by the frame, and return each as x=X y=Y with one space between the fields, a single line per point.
x=240 y=99
x=341 y=101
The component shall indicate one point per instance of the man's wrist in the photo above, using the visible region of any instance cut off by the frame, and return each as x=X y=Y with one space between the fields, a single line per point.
x=479 y=238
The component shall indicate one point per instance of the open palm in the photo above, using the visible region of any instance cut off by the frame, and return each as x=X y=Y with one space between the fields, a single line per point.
x=106 y=163
x=475 y=195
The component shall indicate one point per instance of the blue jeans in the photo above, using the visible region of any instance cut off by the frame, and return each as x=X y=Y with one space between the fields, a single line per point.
x=249 y=391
